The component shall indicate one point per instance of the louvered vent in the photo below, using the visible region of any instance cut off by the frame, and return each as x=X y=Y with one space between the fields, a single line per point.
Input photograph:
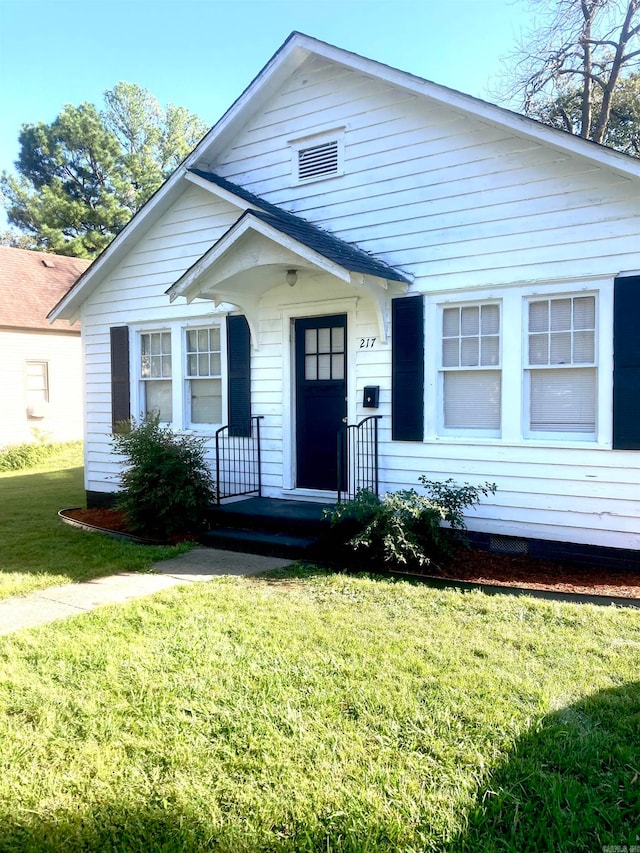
x=318 y=161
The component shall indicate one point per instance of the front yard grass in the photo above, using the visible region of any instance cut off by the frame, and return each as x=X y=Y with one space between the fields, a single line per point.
x=315 y=712
x=37 y=550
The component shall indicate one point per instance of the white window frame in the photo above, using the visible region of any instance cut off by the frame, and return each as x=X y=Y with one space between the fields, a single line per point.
x=37 y=398
x=180 y=394
x=514 y=298
x=186 y=377
x=528 y=369
x=143 y=381
x=322 y=138
x=472 y=431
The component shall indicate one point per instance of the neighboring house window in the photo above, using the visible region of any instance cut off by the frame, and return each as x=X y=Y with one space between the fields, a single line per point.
x=470 y=365
x=561 y=365
x=37 y=380
x=204 y=375
x=317 y=157
x=155 y=375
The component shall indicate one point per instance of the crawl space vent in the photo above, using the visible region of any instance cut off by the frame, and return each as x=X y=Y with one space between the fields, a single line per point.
x=318 y=161
x=508 y=545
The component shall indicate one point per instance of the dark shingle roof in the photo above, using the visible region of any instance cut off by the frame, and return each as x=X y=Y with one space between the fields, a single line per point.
x=31 y=283
x=326 y=244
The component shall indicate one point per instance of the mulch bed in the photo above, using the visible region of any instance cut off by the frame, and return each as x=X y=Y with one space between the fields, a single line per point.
x=486 y=567
x=476 y=566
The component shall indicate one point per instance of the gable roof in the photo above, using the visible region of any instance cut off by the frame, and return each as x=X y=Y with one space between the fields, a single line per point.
x=346 y=255
x=30 y=285
x=293 y=52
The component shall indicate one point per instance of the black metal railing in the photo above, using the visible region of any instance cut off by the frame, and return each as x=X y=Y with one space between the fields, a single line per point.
x=358 y=458
x=238 y=459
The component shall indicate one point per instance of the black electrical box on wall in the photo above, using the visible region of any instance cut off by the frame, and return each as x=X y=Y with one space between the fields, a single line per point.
x=371 y=397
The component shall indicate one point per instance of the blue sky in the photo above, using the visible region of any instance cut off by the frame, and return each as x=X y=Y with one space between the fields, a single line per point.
x=202 y=53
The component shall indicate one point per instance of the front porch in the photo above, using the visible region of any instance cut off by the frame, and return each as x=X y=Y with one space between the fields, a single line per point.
x=273 y=526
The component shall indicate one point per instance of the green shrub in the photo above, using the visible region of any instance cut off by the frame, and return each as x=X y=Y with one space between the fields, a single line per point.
x=405 y=528
x=166 y=486
x=16 y=457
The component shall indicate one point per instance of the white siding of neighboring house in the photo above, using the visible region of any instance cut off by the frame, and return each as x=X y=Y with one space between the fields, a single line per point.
x=62 y=420
x=472 y=211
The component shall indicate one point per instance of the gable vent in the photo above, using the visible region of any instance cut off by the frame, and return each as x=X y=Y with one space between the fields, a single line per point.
x=318 y=161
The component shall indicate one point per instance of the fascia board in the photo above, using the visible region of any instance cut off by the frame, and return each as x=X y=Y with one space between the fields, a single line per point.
x=299 y=46
x=217 y=191
x=281 y=65
x=248 y=224
x=70 y=303
x=478 y=108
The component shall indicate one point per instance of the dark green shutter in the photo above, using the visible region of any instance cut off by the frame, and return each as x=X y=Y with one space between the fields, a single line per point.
x=120 y=385
x=239 y=375
x=407 y=369
x=626 y=363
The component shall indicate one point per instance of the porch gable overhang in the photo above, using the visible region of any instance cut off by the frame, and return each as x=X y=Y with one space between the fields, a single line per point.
x=255 y=253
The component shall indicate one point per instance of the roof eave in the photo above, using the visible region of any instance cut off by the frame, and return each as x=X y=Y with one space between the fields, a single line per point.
x=185 y=285
x=70 y=304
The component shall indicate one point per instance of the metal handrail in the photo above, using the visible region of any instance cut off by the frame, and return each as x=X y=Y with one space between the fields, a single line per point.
x=238 y=459
x=358 y=458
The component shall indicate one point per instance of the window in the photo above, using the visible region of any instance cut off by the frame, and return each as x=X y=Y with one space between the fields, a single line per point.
x=317 y=157
x=37 y=381
x=471 y=375
x=562 y=365
x=204 y=375
x=324 y=353
x=155 y=375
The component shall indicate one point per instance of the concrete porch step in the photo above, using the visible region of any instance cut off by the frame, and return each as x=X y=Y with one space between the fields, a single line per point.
x=265 y=542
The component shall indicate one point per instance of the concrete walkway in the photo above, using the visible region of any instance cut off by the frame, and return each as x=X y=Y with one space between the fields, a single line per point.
x=58 y=602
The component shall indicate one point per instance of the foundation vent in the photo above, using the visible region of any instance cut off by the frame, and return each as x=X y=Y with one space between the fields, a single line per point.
x=508 y=545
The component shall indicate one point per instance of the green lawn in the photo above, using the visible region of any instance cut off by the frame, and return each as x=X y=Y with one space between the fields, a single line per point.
x=37 y=549
x=315 y=712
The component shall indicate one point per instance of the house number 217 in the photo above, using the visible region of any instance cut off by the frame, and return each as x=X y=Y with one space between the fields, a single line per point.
x=367 y=343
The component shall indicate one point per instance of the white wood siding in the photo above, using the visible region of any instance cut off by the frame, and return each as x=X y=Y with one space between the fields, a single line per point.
x=134 y=295
x=63 y=416
x=464 y=206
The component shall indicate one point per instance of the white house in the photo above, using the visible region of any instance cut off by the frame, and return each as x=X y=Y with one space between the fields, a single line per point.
x=348 y=226
x=41 y=362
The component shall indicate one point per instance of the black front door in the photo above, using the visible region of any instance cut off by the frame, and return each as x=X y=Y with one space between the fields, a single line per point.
x=321 y=404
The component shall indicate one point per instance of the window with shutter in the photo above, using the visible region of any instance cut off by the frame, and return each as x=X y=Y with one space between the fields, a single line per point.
x=155 y=375
x=561 y=369
x=471 y=385
x=204 y=375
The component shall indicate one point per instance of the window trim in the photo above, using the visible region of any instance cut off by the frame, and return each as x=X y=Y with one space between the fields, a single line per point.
x=181 y=416
x=472 y=431
x=514 y=297
x=186 y=378
x=143 y=381
x=528 y=369
x=311 y=141
x=37 y=409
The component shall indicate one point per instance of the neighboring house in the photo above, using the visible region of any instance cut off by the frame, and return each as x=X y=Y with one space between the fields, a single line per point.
x=41 y=361
x=348 y=226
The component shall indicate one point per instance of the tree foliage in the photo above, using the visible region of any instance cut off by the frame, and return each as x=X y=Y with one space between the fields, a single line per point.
x=577 y=69
x=82 y=177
